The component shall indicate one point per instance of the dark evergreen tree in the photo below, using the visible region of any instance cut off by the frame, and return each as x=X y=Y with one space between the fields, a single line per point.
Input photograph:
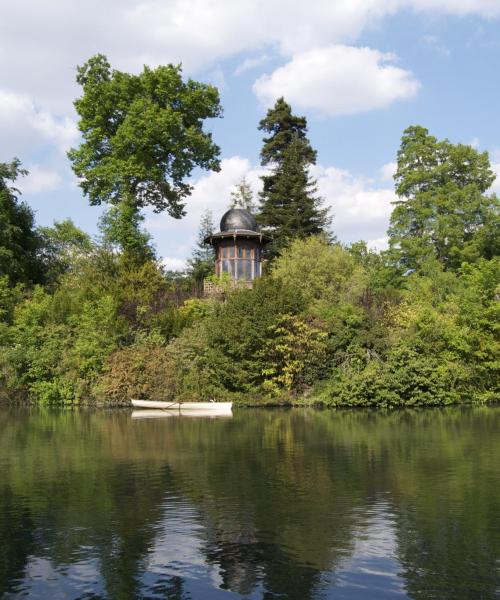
x=201 y=263
x=19 y=241
x=289 y=204
x=283 y=127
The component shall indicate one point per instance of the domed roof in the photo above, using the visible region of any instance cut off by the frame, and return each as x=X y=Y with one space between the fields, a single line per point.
x=238 y=219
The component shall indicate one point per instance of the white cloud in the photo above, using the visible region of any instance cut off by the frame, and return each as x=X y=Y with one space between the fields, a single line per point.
x=387 y=171
x=432 y=41
x=378 y=244
x=174 y=264
x=485 y=8
x=338 y=80
x=360 y=209
x=24 y=127
x=496 y=184
x=251 y=63
x=42 y=42
x=39 y=179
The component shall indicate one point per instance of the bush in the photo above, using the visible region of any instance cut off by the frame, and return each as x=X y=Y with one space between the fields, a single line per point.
x=144 y=370
x=406 y=379
x=295 y=355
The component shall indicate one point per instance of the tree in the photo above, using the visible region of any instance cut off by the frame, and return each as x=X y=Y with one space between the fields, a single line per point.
x=121 y=228
x=19 y=241
x=60 y=246
x=443 y=209
x=242 y=196
x=202 y=259
x=283 y=126
x=142 y=136
x=289 y=206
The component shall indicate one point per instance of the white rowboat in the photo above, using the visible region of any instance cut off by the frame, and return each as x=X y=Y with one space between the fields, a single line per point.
x=208 y=408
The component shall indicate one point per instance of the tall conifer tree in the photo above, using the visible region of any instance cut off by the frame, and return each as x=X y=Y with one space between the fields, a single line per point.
x=289 y=204
x=201 y=263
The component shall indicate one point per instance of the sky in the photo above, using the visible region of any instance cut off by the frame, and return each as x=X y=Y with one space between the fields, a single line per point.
x=361 y=71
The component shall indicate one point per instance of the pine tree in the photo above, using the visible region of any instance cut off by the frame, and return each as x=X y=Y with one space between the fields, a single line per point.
x=201 y=263
x=242 y=196
x=283 y=127
x=289 y=204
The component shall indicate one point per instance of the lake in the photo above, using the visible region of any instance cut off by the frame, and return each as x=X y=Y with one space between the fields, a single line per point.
x=270 y=504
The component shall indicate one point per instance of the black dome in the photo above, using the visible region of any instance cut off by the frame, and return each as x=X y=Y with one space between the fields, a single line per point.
x=238 y=218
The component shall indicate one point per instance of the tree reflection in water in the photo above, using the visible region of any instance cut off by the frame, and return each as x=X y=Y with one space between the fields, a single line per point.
x=290 y=504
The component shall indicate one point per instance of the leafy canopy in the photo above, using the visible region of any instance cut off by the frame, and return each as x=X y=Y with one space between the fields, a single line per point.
x=19 y=241
x=142 y=134
x=443 y=209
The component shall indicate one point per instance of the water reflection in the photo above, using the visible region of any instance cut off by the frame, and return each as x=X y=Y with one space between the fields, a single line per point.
x=268 y=504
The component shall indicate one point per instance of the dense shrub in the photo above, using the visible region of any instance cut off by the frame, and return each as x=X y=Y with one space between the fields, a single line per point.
x=143 y=370
x=332 y=332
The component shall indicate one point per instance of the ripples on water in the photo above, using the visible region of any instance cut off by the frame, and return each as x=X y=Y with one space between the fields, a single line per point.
x=268 y=504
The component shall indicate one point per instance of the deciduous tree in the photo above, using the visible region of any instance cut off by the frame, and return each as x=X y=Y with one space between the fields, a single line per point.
x=19 y=241
x=443 y=208
x=142 y=136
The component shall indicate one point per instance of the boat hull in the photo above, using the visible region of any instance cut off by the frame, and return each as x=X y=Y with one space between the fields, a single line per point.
x=216 y=408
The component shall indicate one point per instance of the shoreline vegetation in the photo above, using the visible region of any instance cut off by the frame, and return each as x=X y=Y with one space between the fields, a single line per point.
x=97 y=321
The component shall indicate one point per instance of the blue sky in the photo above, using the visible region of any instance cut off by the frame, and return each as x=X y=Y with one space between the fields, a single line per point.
x=360 y=70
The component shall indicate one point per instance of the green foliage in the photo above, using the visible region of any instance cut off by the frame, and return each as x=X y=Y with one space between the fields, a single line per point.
x=121 y=229
x=61 y=246
x=142 y=135
x=417 y=325
x=201 y=264
x=443 y=209
x=143 y=370
x=294 y=354
x=289 y=207
x=19 y=241
x=319 y=272
x=442 y=345
x=283 y=127
x=56 y=351
x=199 y=366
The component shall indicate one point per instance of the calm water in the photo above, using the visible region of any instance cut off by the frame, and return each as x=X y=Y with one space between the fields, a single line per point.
x=269 y=504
